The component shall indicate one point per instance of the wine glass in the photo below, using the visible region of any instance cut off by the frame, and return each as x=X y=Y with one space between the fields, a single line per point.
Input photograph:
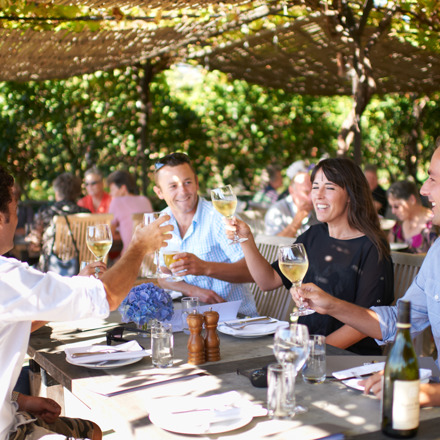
x=99 y=241
x=225 y=202
x=150 y=217
x=168 y=258
x=291 y=349
x=294 y=264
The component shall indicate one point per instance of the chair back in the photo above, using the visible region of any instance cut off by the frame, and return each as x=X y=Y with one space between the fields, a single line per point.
x=406 y=267
x=64 y=247
x=277 y=303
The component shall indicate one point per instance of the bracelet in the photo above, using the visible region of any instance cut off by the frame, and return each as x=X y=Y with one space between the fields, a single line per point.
x=14 y=396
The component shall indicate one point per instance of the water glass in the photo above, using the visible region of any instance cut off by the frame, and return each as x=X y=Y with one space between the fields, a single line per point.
x=190 y=304
x=162 y=345
x=281 y=391
x=315 y=369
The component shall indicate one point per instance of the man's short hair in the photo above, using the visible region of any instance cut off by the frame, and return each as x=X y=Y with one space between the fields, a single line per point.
x=122 y=177
x=172 y=160
x=273 y=171
x=6 y=186
x=370 y=168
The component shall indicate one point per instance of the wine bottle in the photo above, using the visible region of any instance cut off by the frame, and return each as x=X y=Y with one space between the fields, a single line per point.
x=400 y=403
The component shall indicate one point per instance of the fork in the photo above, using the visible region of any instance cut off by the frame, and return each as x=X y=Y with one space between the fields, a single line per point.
x=240 y=327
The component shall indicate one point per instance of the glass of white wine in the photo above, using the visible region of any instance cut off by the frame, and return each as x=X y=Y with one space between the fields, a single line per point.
x=225 y=202
x=99 y=241
x=150 y=217
x=294 y=264
x=168 y=258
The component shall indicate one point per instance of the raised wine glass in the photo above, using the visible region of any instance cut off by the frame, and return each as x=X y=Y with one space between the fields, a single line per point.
x=168 y=258
x=150 y=217
x=225 y=202
x=99 y=241
x=291 y=348
x=294 y=264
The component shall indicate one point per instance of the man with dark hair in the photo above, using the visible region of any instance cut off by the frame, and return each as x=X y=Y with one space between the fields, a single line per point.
x=97 y=200
x=29 y=295
x=213 y=270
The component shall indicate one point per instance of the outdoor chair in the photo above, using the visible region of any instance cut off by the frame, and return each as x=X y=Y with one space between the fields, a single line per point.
x=406 y=267
x=63 y=246
x=277 y=303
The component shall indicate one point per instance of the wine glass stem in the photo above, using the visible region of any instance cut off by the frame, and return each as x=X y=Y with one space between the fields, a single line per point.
x=157 y=258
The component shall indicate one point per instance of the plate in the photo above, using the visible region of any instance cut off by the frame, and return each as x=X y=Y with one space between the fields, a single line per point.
x=108 y=364
x=398 y=246
x=169 y=422
x=253 y=331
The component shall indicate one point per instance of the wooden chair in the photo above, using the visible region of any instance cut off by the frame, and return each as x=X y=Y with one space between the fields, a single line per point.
x=63 y=246
x=406 y=267
x=277 y=303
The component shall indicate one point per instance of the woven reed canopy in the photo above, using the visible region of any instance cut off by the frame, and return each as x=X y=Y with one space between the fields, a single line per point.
x=300 y=56
x=303 y=58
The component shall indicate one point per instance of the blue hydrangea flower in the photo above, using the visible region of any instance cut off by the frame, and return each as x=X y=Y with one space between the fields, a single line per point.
x=146 y=302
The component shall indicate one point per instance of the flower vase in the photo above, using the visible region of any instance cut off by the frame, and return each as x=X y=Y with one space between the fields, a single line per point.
x=147 y=327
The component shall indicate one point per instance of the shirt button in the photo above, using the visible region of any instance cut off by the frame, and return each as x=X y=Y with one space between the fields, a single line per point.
x=436 y=297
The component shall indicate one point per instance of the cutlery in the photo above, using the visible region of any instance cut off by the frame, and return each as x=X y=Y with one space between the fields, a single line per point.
x=91 y=353
x=242 y=324
x=356 y=376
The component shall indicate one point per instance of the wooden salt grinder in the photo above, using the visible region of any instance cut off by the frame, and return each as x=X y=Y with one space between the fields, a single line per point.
x=212 y=341
x=196 y=346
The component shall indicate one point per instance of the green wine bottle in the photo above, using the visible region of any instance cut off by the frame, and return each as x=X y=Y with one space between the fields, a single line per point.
x=400 y=403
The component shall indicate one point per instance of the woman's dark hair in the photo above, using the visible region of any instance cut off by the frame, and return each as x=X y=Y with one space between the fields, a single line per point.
x=68 y=186
x=6 y=185
x=362 y=214
x=404 y=189
x=122 y=177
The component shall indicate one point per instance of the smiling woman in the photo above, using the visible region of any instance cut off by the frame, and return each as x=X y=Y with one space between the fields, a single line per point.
x=348 y=253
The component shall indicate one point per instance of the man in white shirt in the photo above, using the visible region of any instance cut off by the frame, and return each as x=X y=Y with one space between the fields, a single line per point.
x=292 y=215
x=29 y=295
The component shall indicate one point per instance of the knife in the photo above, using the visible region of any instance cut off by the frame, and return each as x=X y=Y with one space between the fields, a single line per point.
x=91 y=353
x=248 y=320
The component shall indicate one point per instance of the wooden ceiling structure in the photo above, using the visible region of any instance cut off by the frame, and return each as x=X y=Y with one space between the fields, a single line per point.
x=300 y=55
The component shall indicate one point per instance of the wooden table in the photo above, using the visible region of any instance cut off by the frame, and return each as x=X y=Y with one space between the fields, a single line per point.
x=332 y=406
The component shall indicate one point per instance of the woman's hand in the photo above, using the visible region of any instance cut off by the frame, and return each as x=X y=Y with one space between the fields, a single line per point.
x=237 y=226
x=89 y=270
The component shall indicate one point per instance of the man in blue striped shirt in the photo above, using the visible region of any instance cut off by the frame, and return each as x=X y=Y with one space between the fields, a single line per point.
x=213 y=270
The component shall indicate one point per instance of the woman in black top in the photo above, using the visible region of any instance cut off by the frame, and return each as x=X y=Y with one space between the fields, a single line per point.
x=349 y=256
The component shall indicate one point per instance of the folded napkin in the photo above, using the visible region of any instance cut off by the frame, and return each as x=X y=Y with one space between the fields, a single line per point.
x=196 y=414
x=128 y=350
x=252 y=329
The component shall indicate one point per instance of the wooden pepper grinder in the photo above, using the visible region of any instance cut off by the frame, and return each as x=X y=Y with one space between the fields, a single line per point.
x=196 y=346
x=212 y=341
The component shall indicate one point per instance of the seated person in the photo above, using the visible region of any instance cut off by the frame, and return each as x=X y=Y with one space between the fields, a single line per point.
x=125 y=202
x=414 y=226
x=348 y=253
x=213 y=270
x=269 y=194
x=97 y=201
x=28 y=294
x=294 y=214
x=67 y=189
x=379 y=194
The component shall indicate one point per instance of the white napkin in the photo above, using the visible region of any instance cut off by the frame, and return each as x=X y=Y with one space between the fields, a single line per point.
x=253 y=329
x=128 y=350
x=198 y=413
